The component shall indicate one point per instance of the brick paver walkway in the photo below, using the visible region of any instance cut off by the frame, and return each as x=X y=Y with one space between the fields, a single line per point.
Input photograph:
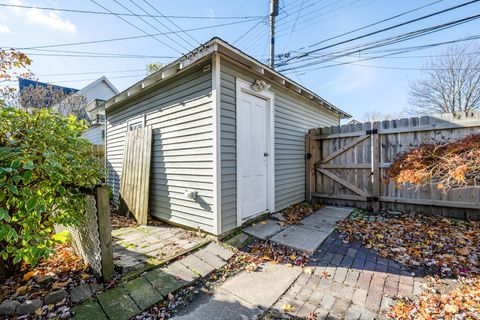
x=349 y=282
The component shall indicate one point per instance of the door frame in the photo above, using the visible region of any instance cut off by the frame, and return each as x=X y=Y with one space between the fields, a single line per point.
x=243 y=86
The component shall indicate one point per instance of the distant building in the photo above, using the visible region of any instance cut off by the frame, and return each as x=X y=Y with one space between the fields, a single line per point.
x=96 y=93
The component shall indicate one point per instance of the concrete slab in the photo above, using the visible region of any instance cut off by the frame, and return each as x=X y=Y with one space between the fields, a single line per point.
x=300 y=238
x=117 y=304
x=162 y=281
x=264 y=230
x=262 y=288
x=237 y=241
x=210 y=258
x=219 y=306
x=142 y=292
x=325 y=218
x=220 y=251
x=88 y=311
x=196 y=265
x=180 y=272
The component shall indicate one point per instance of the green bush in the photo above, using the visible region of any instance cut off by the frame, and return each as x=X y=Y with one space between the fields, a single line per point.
x=45 y=165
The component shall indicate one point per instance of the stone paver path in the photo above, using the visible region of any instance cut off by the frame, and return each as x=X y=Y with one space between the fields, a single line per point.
x=243 y=296
x=135 y=247
x=349 y=282
x=307 y=235
x=130 y=298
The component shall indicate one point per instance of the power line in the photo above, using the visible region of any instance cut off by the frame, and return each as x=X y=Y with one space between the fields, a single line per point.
x=138 y=28
x=161 y=23
x=293 y=28
x=248 y=31
x=396 y=51
x=106 y=54
x=183 y=31
x=317 y=21
x=372 y=24
x=124 y=14
x=88 y=72
x=151 y=25
x=92 y=79
x=384 y=42
x=384 y=29
x=134 y=37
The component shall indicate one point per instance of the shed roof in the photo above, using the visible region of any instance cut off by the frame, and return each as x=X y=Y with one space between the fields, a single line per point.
x=213 y=46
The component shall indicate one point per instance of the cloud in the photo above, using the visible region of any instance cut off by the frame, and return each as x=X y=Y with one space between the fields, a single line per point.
x=4 y=29
x=350 y=80
x=49 y=19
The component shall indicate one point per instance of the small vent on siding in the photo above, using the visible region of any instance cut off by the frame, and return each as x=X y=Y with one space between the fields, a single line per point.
x=206 y=68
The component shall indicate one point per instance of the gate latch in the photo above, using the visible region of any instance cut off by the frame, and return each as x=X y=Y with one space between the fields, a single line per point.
x=372 y=131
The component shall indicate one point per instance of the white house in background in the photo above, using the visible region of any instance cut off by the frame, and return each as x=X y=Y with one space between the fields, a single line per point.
x=97 y=93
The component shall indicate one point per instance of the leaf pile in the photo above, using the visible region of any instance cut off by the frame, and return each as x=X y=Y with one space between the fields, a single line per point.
x=119 y=221
x=461 y=303
x=62 y=270
x=445 y=246
x=447 y=164
x=260 y=252
x=295 y=213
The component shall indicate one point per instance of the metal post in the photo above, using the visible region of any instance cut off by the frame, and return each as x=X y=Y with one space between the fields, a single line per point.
x=273 y=14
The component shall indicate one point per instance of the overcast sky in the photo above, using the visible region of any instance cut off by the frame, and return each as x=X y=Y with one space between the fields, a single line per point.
x=358 y=88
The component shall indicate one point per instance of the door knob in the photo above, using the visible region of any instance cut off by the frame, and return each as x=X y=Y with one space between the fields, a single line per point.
x=265 y=154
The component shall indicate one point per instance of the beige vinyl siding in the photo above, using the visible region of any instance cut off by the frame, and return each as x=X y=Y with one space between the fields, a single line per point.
x=228 y=151
x=293 y=117
x=180 y=113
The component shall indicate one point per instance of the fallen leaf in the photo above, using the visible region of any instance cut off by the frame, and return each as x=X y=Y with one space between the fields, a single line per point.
x=308 y=271
x=170 y=296
x=21 y=290
x=450 y=308
x=29 y=275
x=287 y=308
x=263 y=222
x=464 y=251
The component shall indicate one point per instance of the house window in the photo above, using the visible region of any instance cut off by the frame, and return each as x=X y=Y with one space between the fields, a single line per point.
x=137 y=123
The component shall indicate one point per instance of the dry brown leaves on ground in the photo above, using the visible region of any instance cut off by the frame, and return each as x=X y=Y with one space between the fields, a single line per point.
x=63 y=270
x=445 y=246
x=119 y=221
x=294 y=214
x=463 y=302
x=449 y=164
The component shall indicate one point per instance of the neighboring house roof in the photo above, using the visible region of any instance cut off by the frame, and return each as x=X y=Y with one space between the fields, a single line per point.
x=217 y=45
x=25 y=83
x=101 y=89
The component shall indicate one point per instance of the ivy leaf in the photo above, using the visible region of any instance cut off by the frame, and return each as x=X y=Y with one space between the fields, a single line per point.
x=12 y=188
x=31 y=203
x=4 y=215
x=28 y=165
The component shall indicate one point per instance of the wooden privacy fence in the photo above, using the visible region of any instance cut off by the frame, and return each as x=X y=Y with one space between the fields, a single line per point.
x=135 y=183
x=346 y=165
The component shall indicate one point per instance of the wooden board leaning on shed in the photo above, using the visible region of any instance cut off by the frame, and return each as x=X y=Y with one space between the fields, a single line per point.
x=135 y=181
x=347 y=165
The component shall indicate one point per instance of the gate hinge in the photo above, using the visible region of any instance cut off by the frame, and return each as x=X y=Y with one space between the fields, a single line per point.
x=372 y=131
x=372 y=199
x=308 y=156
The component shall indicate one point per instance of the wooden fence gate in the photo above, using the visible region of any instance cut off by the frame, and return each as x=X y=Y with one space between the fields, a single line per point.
x=346 y=165
x=135 y=181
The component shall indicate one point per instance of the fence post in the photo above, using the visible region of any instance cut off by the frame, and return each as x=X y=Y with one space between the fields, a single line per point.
x=310 y=164
x=376 y=166
x=104 y=231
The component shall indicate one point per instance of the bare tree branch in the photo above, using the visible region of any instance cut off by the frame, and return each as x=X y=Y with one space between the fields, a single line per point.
x=451 y=84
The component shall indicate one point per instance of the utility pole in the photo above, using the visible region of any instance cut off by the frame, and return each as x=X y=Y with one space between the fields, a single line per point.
x=273 y=14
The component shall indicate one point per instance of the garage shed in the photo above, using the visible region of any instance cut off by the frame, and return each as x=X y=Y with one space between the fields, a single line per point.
x=228 y=137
